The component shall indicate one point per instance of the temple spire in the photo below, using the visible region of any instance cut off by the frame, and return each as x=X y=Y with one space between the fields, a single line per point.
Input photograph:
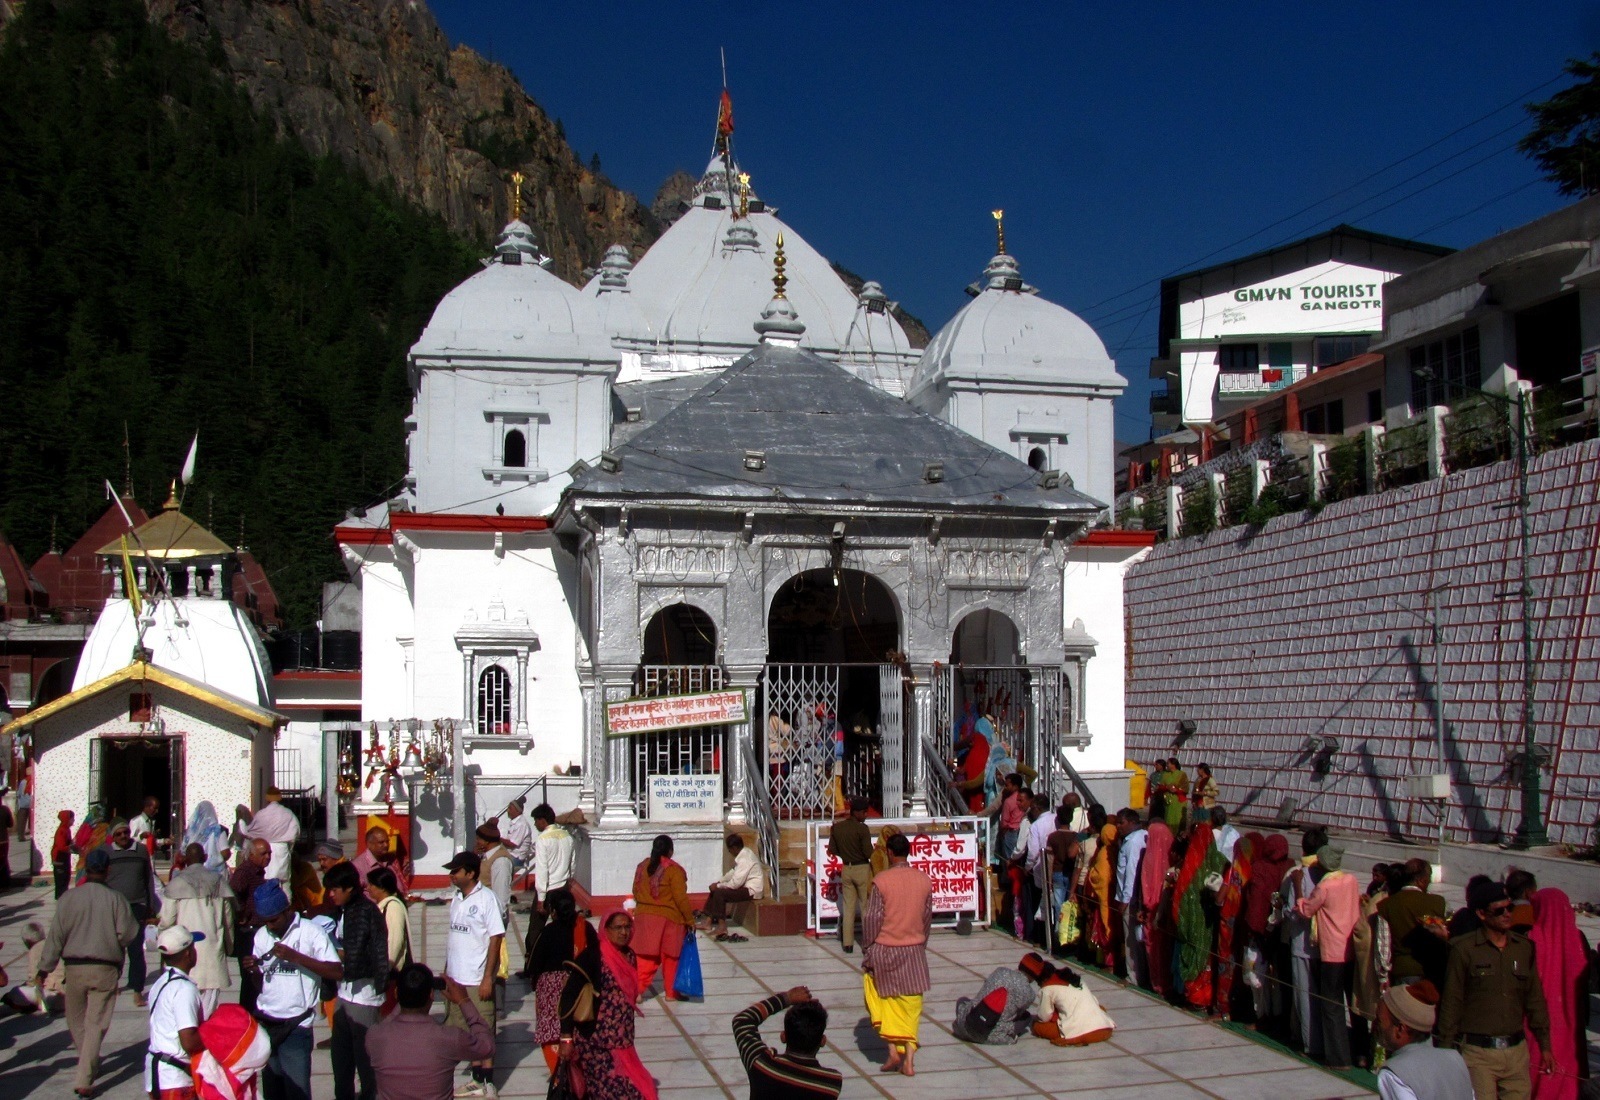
x=999 y=231
x=779 y=323
x=516 y=197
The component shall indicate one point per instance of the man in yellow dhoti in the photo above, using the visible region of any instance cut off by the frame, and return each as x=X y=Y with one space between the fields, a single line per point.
x=895 y=964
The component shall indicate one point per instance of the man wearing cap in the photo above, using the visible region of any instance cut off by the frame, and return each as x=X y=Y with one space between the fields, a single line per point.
x=495 y=865
x=175 y=1017
x=293 y=957
x=1416 y=1069
x=1492 y=987
x=380 y=852
x=92 y=929
x=472 y=954
x=1336 y=905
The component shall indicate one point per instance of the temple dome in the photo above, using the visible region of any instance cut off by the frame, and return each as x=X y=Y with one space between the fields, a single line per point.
x=709 y=277
x=209 y=641
x=515 y=309
x=1007 y=333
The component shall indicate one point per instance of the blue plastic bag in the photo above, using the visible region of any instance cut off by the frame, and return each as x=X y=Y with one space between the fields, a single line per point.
x=687 y=982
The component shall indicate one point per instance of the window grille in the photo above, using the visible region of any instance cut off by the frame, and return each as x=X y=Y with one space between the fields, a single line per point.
x=697 y=751
x=494 y=701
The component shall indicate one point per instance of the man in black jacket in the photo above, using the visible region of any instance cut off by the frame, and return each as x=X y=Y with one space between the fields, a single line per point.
x=364 y=949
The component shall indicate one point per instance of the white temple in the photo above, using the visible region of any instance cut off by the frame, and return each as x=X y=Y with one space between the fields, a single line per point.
x=503 y=595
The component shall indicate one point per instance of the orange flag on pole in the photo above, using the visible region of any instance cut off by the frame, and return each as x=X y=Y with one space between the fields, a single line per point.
x=725 y=114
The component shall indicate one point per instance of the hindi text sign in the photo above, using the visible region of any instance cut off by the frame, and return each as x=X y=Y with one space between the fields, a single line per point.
x=631 y=717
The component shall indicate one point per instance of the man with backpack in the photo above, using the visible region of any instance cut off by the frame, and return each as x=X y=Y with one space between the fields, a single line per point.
x=364 y=951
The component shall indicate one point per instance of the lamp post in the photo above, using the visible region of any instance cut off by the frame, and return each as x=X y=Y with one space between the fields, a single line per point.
x=1531 y=832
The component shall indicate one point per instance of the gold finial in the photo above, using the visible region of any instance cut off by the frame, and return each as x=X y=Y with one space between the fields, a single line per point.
x=172 y=498
x=1000 y=230
x=779 y=279
x=744 y=194
x=516 y=196
x=54 y=549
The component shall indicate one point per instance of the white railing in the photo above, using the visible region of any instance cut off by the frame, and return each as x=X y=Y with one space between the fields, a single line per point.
x=758 y=812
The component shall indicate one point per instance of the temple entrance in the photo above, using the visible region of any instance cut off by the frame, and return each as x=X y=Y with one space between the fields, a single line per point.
x=679 y=658
x=124 y=770
x=832 y=695
x=988 y=690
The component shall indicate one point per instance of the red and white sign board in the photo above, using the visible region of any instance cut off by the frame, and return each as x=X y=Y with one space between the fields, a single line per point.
x=631 y=717
x=950 y=859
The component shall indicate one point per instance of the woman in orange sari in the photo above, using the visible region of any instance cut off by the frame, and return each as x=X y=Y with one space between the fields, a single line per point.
x=663 y=916
x=1101 y=873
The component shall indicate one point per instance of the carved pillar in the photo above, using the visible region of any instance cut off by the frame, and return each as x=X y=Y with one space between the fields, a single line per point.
x=593 y=755
x=918 y=735
x=522 y=693
x=741 y=741
x=618 y=808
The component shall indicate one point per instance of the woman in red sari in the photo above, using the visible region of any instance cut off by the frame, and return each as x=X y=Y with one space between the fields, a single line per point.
x=1196 y=932
x=1153 y=895
x=1563 y=960
x=600 y=1053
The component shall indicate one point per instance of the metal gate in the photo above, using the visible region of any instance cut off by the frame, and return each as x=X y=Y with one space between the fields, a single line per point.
x=798 y=703
x=700 y=750
x=891 y=731
x=1023 y=702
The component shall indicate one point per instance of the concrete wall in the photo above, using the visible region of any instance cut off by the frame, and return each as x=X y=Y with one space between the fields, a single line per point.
x=1317 y=626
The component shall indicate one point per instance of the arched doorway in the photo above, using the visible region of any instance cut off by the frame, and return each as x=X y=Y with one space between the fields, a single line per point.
x=678 y=655
x=988 y=689
x=832 y=699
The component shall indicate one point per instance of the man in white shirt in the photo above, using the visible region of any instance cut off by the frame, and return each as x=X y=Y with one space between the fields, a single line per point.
x=293 y=957
x=517 y=831
x=143 y=825
x=472 y=954
x=1129 y=854
x=1224 y=836
x=553 y=857
x=743 y=882
x=1039 y=828
x=175 y=1016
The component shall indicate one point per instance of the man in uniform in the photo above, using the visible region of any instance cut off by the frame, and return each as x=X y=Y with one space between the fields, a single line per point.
x=1492 y=999
x=850 y=842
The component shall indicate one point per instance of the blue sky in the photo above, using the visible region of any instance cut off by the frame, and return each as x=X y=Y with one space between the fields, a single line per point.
x=1126 y=142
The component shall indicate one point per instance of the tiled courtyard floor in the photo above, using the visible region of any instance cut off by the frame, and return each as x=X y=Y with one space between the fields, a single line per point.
x=1158 y=1052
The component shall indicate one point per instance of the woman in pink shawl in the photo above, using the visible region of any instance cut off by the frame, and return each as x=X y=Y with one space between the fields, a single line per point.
x=600 y=1054
x=1152 y=894
x=1562 y=957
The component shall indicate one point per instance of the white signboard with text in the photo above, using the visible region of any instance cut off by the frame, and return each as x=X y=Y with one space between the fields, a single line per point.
x=1330 y=297
x=680 y=797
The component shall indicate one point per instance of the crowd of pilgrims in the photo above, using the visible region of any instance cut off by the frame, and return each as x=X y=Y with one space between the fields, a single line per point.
x=1232 y=925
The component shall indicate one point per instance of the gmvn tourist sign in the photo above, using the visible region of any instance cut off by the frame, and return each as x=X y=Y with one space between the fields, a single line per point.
x=674 y=712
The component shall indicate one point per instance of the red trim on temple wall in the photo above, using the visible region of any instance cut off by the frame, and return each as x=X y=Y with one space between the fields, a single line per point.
x=1117 y=538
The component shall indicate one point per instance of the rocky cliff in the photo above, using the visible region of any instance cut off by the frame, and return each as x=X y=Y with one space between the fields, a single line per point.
x=376 y=84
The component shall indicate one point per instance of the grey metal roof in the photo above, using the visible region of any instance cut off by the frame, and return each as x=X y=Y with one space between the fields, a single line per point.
x=827 y=437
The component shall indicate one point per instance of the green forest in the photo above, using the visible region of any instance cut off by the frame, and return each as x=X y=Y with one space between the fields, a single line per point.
x=169 y=264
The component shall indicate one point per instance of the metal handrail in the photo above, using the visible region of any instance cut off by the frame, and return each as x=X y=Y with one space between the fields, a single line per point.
x=943 y=798
x=758 y=810
x=1074 y=778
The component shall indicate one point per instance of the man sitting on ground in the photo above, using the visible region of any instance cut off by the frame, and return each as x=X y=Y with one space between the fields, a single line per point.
x=743 y=882
x=795 y=1074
